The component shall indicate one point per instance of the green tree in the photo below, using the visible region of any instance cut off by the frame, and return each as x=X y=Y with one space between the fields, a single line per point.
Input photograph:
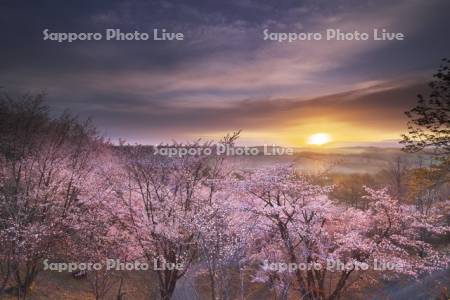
x=429 y=124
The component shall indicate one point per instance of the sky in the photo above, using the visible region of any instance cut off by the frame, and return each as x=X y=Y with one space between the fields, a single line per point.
x=224 y=76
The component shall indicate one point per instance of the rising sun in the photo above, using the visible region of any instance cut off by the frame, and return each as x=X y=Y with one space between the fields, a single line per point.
x=319 y=139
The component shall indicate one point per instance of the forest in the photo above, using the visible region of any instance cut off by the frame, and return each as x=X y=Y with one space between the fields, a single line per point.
x=84 y=218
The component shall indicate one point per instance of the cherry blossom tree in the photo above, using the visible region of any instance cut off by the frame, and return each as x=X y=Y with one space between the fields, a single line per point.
x=45 y=164
x=319 y=249
x=220 y=242
x=163 y=198
x=99 y=234
x=291 y=215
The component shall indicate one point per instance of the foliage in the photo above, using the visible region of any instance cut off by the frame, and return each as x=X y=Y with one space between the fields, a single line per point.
x=429 y=126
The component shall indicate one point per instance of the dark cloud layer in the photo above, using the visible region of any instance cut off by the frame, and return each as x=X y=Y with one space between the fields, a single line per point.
x=365 y=107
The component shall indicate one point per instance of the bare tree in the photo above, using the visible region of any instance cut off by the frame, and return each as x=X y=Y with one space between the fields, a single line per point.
x=397 y=170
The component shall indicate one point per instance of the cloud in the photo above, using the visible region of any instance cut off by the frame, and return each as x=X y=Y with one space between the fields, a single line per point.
x=224 y=73
x=374 y=112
